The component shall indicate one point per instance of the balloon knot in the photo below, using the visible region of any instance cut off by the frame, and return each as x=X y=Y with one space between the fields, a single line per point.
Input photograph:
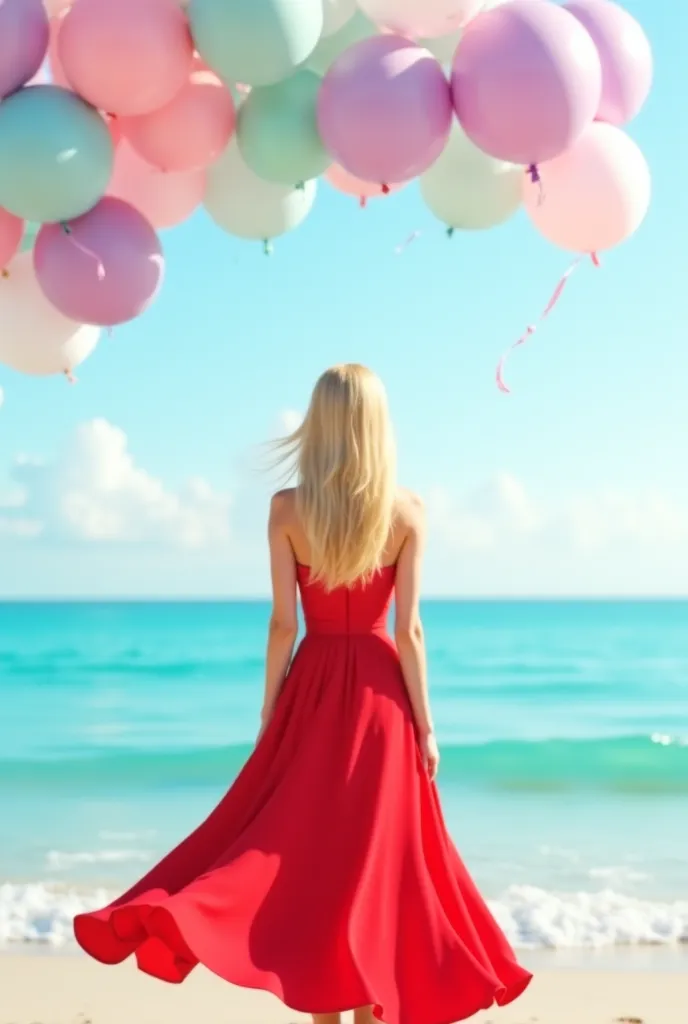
x=267 y=247
x=362 y=202
x=301 y=186
x=71 y=379
x=386 y=190
x=4 y=273
x=534 y=173
x=596 y=262
x=450 y=232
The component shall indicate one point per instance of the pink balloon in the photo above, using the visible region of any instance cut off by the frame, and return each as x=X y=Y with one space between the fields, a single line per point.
x=11 y=234
x=526 y=81
x=164 y=199
x=350 y=185
x=384 y=110
x=56 y=70
x=626 y=57
x=595 y=195
x=23 y=42
x=191 y=131
x=128 y=57
x=103 y=268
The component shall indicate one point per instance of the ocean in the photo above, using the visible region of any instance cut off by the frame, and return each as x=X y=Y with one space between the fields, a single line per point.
x=563 y=729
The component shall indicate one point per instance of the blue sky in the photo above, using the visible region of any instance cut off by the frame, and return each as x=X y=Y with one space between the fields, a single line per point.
x=576 y=483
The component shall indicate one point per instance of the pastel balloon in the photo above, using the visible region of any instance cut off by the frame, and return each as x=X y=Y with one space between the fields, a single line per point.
x=57 y=171
x=11 y=234
x=468 y=190
x=384 y=110
x=31 y=229
x=277 y=130
x=420 y=18
x=55 y=7
x=336 y=13
x=24 y=36
x=331 y=47
x=519 y=117
x=444 y=47
x=57 y=72
x=189 y=132
x=626 y=57
x=249 y=207
x=350 y=185
x=595 y=195
x=258 y=42
x=36 y=338
x=165 y=199
x=128 y=57
x=103 y=268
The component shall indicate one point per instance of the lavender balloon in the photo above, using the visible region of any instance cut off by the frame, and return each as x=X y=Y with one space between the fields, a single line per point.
x=24 y=37
x=626 y=57
x=384 y=110
x=104 y=268
x=526 y=81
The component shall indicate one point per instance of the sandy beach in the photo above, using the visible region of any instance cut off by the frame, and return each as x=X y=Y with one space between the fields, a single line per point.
x=73 y=990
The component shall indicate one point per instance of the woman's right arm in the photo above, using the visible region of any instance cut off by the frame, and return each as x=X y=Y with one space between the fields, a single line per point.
x=409 y=632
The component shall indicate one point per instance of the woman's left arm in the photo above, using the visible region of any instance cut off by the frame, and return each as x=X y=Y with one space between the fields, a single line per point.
x=284 y=623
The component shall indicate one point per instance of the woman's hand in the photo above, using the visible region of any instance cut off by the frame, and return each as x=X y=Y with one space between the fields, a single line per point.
x=430 y=754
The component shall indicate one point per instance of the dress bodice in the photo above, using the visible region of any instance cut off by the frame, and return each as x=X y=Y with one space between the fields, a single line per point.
x=362 y=608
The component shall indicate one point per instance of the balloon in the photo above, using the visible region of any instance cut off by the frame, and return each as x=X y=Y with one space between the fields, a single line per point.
x=425 y=18
x=24 y=37
x=626 y=57
x=595 y=195
x=103 y=268
x=526 y=117
x=57 y=73
x=247 y=206
x=350 y=185
x=467 y=189
x=11 y=234
x=336 y=13
x=259 y=42
x=163 y=199
x=277 y=131
x=191 y=131
x=126 y=56
x=36 y=338
x=331 y=47
x=31 y=229
x=384 y=110
x=58 y=170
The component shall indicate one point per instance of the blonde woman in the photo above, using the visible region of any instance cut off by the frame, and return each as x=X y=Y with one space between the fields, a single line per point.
x=326 y=874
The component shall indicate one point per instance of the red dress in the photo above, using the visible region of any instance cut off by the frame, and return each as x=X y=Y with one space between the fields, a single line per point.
x=326 y=874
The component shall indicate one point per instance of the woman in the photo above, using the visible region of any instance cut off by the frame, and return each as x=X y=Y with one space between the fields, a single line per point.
x=326 y=874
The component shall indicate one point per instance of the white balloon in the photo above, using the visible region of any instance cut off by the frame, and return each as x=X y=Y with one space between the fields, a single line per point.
x=244 y=205
x=443 y=48
x=467 y=189
x=423 y=19
x=336 y=13
x=34 y=337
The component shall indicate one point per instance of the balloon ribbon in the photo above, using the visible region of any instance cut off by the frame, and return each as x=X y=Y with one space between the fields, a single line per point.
x=100 y=269
x=531 y=329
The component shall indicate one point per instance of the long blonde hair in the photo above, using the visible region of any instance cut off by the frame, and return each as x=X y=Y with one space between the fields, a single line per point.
x=345 y=460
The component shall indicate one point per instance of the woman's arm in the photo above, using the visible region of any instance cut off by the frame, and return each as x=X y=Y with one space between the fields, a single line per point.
x=409 y=633
x=284 y=619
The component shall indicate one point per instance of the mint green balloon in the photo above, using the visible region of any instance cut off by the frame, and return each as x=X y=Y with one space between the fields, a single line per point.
x=330 y=47
x=277 y=131
x=56 y=154
x=258 y=42
x=31 y=229
x=469 y=190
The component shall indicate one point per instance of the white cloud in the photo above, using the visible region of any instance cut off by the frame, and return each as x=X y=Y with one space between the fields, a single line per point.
x=96 y=492
x=288 y=421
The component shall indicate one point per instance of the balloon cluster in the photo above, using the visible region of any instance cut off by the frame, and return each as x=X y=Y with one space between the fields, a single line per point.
x=120 y=117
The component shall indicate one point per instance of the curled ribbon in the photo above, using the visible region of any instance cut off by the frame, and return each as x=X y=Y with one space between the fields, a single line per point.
x=531 y=329
x=100 y=269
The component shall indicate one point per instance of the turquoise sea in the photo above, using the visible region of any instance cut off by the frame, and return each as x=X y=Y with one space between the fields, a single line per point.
x=563 y=728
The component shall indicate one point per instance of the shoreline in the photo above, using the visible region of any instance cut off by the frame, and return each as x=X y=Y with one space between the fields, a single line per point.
x=59 y=989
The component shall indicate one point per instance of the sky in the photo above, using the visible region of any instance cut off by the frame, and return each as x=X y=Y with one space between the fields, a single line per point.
x=147 y=478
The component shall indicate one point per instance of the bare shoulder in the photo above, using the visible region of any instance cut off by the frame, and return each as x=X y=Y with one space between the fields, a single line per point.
x=409 y=512
x=283 y=506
